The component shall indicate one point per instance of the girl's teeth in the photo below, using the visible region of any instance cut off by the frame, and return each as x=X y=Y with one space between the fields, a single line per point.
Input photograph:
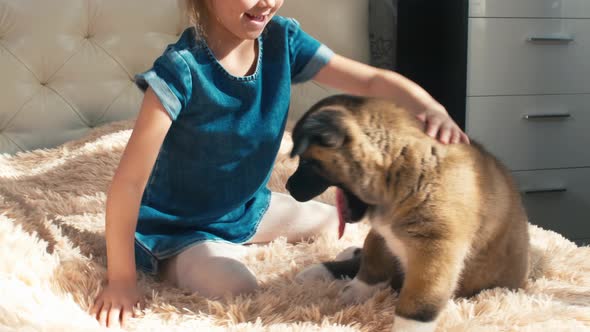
x=257 y=18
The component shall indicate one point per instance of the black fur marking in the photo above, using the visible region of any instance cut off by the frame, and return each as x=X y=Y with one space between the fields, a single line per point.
x=433 y=151
x=299 y=146
x=403 y=152
x=397 y=281
x=388 y=180
x=323 y=128
x=344 y=269
x=352 y=103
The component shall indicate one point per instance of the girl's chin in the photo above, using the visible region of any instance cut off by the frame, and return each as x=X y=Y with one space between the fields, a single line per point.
x=252 y=34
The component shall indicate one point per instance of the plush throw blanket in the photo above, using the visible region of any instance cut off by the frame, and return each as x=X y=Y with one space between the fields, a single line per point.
x=52 y=264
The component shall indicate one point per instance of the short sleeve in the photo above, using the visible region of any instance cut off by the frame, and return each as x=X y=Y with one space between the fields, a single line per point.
x=170 y=79
x=307 y=54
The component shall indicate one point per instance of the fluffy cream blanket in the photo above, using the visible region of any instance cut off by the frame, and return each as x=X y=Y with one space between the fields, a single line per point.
x=52 y=264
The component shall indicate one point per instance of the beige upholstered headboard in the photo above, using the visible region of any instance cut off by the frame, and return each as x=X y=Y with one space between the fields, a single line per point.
x=68 y=65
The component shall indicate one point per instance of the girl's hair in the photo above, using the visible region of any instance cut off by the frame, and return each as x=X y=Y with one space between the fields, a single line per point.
x=197 y=10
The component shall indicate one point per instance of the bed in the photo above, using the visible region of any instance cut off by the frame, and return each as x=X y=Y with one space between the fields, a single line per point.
x=68 y=102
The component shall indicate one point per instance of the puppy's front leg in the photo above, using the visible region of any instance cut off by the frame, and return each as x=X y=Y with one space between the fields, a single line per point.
x=377 y=270
x=430 y=280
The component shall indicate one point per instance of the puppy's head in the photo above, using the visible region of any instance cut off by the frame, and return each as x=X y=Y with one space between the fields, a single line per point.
x=341 y=141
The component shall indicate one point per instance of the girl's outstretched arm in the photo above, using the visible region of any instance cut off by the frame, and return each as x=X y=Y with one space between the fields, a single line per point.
x=360 y=79
x=116 y=301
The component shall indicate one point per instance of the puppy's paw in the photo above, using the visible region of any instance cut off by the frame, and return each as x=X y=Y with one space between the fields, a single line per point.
x=357 y=291
x=314 y=272
x=348 y=253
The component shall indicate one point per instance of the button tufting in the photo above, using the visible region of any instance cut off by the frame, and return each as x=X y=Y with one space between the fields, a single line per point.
x=68 y=98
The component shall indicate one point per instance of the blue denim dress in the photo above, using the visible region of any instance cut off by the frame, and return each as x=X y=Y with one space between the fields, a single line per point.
x=209 y=180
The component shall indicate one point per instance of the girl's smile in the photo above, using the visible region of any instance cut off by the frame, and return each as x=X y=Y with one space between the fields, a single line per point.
x=258 y=21
x=257 y=18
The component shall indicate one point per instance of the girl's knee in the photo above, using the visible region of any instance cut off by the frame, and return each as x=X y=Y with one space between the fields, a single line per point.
x=243 y=285
x=220 y=276
x=234 y=285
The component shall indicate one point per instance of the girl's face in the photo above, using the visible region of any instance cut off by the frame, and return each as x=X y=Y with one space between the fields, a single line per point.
x=241 y=19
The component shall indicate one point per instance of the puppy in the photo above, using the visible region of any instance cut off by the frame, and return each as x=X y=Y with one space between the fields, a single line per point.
x=446 y=220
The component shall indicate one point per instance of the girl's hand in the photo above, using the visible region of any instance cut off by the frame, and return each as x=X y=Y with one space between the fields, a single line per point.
x=438 y=124
x=116 y=303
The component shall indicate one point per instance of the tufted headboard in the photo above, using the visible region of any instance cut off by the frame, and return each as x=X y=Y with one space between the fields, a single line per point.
x=68 y=65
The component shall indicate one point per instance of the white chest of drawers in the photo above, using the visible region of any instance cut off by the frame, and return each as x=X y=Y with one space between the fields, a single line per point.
x=528 y=102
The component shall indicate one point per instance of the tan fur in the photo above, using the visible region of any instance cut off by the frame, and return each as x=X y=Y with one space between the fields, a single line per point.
x=452 y=211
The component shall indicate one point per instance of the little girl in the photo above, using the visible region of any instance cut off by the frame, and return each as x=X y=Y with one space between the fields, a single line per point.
x=191 y=183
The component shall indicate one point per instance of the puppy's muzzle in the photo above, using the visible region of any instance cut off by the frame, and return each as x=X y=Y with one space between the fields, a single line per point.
x=306 y=183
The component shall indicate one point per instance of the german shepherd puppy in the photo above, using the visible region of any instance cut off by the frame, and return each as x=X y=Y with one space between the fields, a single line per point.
x=446 y=220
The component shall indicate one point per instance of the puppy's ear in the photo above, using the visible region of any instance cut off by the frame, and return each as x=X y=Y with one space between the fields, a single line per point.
x=324 y=128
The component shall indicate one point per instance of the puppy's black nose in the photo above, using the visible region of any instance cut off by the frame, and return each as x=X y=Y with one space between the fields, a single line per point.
x=299 y=195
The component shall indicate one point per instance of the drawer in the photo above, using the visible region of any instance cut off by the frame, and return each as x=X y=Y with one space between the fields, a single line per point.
x=532 y=132
x=530 y=8
x=502 y=60
x=558 y=200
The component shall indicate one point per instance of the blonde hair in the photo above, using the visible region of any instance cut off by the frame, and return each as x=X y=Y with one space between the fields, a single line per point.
x=197 y=11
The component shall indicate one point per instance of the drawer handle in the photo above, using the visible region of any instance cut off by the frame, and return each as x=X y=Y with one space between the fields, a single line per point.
x=547 y=116
x=545 y=190
x=561 y=39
